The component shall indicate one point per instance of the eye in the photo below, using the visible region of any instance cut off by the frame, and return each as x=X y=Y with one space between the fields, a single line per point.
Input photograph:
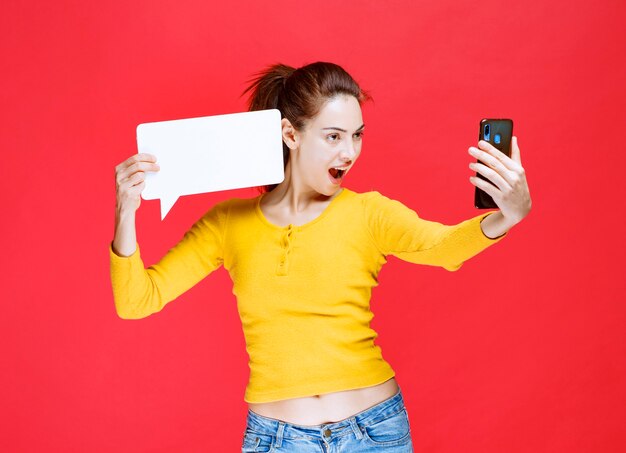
x=336 y=136
x=359 y=135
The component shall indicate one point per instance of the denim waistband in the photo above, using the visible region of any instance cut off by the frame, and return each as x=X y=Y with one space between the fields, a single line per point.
x=266 y=425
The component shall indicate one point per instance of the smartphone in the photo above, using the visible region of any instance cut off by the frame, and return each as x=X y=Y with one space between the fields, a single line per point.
x=499 y=133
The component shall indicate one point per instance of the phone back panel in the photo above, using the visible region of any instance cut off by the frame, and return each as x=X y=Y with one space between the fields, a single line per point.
x=500 y=135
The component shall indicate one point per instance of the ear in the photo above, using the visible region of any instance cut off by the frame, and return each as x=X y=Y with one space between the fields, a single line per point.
x=290 y=135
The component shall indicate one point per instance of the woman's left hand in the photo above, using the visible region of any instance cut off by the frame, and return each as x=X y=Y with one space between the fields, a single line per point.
x=511 y=194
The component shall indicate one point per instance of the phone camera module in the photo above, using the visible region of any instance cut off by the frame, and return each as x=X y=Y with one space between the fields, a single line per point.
x=487 y=133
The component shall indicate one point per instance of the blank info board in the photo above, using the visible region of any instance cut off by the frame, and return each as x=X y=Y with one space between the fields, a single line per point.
x=211 y=153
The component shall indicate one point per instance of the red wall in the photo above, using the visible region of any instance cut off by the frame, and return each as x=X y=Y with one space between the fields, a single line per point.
x=521 y=350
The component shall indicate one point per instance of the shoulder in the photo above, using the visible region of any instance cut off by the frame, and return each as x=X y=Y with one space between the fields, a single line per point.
x=373 y=200
x=231 y=208
x=381 y=212
x=376 y=209
x=238 y=203
x=363 y=196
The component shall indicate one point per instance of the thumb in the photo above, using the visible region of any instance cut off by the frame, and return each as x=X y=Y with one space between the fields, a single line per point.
x=515 y=153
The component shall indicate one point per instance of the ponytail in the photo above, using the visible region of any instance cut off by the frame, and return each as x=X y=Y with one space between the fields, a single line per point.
x=267 y=86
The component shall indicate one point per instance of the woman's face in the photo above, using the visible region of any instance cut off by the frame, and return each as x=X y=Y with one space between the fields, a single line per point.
x=328 y=146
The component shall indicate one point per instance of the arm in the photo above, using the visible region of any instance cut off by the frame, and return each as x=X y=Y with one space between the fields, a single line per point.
x=125 y=237
x=129 y=183
x=139 y=292
x=398 y=230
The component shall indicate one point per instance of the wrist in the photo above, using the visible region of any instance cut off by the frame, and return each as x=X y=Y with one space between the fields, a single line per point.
x=495 y=225
x=124 y=214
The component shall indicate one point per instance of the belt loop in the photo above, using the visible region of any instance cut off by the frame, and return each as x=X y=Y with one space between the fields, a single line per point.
x=355 y=428
x=279 y=434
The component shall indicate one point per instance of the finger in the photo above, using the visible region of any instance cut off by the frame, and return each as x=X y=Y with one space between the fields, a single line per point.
x=146 y=157
x=136 y=167
x=491 y=150
x=492 y=162
x=132 y=180
x=137 y=188
x=141 y=157
x=515 y=153
x=141 y=166
x=488 y=159
x=491 y=174
x=485 y=186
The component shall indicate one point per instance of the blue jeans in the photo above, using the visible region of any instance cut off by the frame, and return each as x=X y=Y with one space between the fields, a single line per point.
x=383 y=427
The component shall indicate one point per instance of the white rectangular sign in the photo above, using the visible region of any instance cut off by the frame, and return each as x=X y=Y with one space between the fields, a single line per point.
x=212 y=153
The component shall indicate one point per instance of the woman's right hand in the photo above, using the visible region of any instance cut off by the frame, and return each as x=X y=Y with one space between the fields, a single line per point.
x=130 y=180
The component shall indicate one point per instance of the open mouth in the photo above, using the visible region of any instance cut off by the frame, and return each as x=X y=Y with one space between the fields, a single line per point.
x=337 y=173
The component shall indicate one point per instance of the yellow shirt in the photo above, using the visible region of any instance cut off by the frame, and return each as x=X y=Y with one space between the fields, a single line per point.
x=303 y=292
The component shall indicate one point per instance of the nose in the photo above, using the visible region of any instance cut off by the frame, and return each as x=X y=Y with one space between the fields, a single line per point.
x=348 y=153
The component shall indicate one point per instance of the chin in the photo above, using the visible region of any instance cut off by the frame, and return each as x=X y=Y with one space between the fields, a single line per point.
x=328 y=189
x=331 y=191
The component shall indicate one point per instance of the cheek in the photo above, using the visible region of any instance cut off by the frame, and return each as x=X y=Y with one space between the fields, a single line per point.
x=313 y=165
x=320 y=157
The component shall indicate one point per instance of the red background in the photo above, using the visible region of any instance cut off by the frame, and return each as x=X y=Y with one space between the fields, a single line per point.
x=522 y=350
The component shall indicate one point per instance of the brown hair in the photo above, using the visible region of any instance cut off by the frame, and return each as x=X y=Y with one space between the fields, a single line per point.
x=299 y=94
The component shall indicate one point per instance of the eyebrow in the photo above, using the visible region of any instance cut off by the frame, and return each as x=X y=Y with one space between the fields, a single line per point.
x=342 y=130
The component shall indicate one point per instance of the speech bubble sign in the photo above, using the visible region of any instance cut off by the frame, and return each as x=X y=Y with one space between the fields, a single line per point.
x=211 y=153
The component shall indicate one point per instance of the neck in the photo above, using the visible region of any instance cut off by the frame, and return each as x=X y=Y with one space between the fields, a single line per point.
x=296 y=196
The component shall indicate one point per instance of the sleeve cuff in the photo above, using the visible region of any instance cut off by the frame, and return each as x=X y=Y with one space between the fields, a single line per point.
x=116 y=257
x=482 y=234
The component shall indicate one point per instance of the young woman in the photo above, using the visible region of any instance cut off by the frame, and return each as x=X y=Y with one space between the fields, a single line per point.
x=304 y=257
